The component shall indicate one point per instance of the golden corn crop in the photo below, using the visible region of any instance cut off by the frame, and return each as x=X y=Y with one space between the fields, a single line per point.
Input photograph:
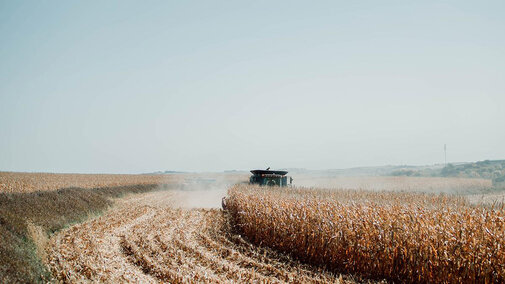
x=407 y=237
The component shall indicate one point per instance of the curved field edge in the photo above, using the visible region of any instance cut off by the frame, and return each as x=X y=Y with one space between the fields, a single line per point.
x=28 y=219
x=403 y=237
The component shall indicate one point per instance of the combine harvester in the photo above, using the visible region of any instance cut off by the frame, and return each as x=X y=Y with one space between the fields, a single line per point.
x=270 y=178
x=266 y=178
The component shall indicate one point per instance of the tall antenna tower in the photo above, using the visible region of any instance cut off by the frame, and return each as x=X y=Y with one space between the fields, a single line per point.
x=445 y=154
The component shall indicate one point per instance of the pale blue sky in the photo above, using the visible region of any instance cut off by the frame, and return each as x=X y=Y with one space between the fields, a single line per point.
x=139 y=86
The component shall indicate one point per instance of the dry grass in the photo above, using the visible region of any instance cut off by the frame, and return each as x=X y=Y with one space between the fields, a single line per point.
x=399 y=236
x=149 y=240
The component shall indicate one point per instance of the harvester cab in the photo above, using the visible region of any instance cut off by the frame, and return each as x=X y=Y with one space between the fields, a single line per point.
x=270 y=178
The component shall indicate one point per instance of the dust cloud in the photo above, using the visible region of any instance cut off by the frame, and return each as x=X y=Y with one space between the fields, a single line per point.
x=207 y=190
x=204 y=190
x=210 y=198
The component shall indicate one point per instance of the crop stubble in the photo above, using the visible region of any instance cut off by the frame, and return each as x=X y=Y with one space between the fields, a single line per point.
x=149 y=239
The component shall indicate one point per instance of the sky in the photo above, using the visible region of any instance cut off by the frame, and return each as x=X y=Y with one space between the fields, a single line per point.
x=142 y=86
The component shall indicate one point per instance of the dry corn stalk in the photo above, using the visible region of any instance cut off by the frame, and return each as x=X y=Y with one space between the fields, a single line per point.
x=400 y=236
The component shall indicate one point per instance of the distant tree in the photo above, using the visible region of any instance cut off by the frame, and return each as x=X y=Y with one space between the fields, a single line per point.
x=496 y=174
x=449 y=170
x=404 y=172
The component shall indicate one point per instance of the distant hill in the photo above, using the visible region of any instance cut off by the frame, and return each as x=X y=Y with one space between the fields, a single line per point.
x=163 y=173
x=488 y=169
x=365 y=171
x=235 y=172
x=482 y=169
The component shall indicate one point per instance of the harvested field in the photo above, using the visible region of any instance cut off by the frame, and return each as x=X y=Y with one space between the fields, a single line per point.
x=27 y=219
x=29 y=182
x=155 y=238
x=404 y=237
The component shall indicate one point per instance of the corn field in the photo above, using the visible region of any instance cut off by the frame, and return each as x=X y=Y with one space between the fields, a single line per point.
x=399 y=183
x=404 y=237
